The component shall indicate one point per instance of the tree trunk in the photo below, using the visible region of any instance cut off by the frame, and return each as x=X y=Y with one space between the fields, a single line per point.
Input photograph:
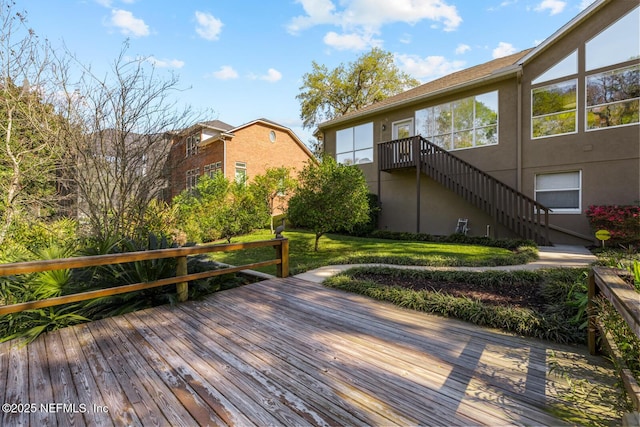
x=318 y=235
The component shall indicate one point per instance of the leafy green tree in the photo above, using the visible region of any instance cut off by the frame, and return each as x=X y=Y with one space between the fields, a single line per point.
x=217 y=208
x=273 y=188
x=330 y=197
x=327 y=94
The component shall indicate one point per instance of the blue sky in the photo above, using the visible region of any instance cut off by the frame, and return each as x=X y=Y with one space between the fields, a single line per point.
x=244 y=59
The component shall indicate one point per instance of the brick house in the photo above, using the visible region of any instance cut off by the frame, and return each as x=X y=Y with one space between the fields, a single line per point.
x=519 y=146
x=238 y=152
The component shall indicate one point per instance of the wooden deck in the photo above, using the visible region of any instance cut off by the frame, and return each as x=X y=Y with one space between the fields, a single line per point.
x=279 y=352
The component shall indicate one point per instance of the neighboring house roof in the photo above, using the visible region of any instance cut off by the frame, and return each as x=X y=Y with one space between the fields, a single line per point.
x=469 y=77
x=217 y=125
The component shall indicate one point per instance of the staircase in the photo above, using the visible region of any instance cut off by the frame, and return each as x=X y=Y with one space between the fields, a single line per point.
x=507 y=206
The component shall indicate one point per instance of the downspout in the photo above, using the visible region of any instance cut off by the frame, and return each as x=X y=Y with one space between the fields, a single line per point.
x=224 y=157
x=519 y=133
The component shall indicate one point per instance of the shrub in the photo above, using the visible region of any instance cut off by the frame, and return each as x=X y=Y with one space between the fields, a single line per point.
x=623 y=222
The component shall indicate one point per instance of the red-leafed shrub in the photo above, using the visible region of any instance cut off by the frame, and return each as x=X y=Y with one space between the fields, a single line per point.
x=623 y=222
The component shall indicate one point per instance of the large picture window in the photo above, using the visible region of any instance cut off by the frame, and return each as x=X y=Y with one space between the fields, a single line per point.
x=616 y=44
x=561 y=192
x=355 y=145
x=465 y=123
x=613 y=98
x=553 y=109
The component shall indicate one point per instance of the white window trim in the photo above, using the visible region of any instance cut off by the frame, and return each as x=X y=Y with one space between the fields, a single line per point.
x=586 y=107
x=452 y=131
x=394 y=128
x=575 y=110
x=561 y=211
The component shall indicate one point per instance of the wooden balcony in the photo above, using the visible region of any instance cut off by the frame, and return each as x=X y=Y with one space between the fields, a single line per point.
x=506 y=205
x=285 y=352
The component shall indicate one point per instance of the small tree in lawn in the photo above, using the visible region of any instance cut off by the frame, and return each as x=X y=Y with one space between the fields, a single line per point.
x=272 y=188
x=330 y=197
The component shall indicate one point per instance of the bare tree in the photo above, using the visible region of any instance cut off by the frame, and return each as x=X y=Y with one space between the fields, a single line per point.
x=119 y=133
x=30 y=144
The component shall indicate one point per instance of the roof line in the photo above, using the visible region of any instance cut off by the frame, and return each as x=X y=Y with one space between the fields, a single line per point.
x=586 y=13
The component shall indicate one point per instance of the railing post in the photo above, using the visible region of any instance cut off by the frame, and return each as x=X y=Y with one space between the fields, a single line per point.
x=592 y=291
x=182 y=287
x=282 y=253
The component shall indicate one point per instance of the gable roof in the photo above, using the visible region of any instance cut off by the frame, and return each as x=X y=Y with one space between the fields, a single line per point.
x=469 y=77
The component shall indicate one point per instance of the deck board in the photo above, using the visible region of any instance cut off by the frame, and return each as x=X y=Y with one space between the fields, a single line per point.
x=281 y=352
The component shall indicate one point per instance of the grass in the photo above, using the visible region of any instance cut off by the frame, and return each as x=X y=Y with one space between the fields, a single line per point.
x=339 y=249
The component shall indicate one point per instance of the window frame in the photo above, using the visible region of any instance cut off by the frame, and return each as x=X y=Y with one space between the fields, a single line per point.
x=192 y=144
x=242 y=168
x=192 y=176
x=597 y=72
x=566 y=79
x=576 y=210
x=448 y=108
x=355 y=147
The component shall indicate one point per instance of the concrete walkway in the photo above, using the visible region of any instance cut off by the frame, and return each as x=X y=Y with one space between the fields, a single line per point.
x=549 y=257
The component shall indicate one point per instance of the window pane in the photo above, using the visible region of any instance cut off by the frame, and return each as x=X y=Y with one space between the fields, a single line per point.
x=346 y=158
x=443 y=141
x=363 y=136
x=487 y=135
x=554 y=98
x=616 y=114
x=486 y=112
x=442 y=119
x=618 y=43
x=612 y=86
x=363 y=156
x=559 y=199
x=554 y=124
x=344 y=140
x=463 y=139
x=566 y=67
x=463 y=114
x=555 y=181
x=424 y=122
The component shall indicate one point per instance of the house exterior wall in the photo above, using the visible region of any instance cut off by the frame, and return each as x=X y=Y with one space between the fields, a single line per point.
x=608 y=160
x=251 y=144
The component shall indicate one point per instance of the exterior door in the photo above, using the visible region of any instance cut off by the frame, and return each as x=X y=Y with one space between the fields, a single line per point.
x=401 y=130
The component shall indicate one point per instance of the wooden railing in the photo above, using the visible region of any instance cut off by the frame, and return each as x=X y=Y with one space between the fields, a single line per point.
x=506 y=205
x=181 y=278
x=626 y=301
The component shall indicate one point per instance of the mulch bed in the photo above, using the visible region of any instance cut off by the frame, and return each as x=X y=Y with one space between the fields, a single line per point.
x=516 y=294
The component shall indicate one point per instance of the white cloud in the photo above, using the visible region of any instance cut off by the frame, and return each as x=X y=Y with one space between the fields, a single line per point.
x=226 y=72
x=427 y=68
x=503 y=49
x=272 y=75
x=554 y=6
x=129 y=25
x=209 y=27
x=462 y=48
x=351 y=41
x=165 y=63
x=366 y=17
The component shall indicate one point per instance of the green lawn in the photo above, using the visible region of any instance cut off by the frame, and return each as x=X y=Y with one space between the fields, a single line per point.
x=338 y=249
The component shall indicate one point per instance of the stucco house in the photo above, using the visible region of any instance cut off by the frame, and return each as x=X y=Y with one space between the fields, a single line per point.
x=239 y=152
x=518 y=146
